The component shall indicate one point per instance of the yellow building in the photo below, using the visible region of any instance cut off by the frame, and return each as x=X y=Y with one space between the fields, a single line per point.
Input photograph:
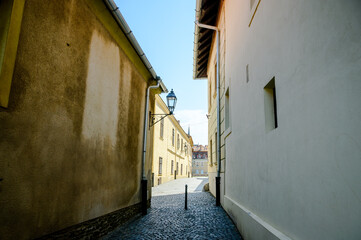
x=172 y=153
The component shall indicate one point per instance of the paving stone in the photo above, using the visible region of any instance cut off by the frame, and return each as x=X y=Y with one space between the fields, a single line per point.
x=167 y=219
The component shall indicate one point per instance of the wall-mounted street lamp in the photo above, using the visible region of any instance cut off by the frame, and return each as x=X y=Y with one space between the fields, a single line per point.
x=171 y=102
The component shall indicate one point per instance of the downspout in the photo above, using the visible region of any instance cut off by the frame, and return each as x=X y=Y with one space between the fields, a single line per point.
x=218 y=178
x=144 y=181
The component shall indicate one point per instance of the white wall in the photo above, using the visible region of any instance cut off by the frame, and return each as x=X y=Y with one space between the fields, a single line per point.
x=303 y=178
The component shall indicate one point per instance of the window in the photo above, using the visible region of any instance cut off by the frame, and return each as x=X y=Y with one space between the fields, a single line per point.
x=181 y=169
x=182 y=144
x=178 y=141
x=160 y=166
x=209 y=94
x=11 y=14
x=247 y=73
x=215 y=80
x=226 y=110
x=216 y=147
x=173 y=135
x=270 y=105
x=202 y=172
x=161 y=128
x=172 y=167
x=177 y=167
x=210 y=152
x=197 y=171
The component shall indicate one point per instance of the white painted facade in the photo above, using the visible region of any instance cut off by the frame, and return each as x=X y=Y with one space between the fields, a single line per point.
x=301 y=180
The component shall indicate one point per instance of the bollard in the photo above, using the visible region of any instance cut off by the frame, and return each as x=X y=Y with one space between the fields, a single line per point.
x=218 y=191
x=186 y=200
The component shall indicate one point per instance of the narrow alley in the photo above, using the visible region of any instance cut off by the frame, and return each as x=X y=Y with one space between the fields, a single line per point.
x=109 y=108
x=167 y=218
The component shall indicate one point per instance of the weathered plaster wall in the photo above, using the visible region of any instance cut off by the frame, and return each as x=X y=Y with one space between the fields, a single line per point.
x=71 y=138
x=301 y=180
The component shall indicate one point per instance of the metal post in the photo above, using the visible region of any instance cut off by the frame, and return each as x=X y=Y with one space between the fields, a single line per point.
x=186 y=200
x=218 y=191
x=144 y=196
x=175 y=174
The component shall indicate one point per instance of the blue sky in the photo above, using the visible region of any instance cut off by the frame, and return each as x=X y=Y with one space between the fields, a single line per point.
x=164 y=30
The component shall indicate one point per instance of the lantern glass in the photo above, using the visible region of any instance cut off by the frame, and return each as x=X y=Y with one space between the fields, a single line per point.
x=171 y=101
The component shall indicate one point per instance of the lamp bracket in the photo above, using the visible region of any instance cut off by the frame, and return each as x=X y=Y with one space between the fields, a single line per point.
x=152 y=118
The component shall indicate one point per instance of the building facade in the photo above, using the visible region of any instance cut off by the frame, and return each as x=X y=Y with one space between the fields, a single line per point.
x=200 y=160
x=289 y=114
x=72 y=89
x=172 y=152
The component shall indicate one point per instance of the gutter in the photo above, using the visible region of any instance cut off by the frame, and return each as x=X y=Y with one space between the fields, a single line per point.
x=196 y=35
x=133 y=41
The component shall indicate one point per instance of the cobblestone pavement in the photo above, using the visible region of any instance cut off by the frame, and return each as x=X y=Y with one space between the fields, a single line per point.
x=195 y=184
x=167 y=218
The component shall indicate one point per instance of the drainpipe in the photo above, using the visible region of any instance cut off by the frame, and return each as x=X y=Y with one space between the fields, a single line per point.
x=218 y=178
x=144 y=181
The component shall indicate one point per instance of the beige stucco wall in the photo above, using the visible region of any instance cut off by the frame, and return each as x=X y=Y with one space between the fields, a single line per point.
x=212 y=105
x=71 y=138
x=163 y=147
x=302 y=179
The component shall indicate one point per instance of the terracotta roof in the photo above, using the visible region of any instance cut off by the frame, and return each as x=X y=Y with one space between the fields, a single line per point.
x=200 y=148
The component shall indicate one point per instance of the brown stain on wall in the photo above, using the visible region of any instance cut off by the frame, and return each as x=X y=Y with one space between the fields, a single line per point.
x=51 y=178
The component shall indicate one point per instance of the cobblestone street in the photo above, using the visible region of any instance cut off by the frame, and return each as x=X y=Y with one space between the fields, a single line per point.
x=167 y=218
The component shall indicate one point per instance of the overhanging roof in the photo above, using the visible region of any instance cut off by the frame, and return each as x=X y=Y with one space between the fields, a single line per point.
x=206 y=13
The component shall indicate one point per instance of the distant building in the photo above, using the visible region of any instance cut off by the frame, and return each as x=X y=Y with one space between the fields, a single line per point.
x=200 y=160
x=172 y=151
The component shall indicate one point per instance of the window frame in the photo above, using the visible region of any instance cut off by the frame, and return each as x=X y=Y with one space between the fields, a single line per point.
x=9 y=41
x=173 y=137
x=161 y=130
